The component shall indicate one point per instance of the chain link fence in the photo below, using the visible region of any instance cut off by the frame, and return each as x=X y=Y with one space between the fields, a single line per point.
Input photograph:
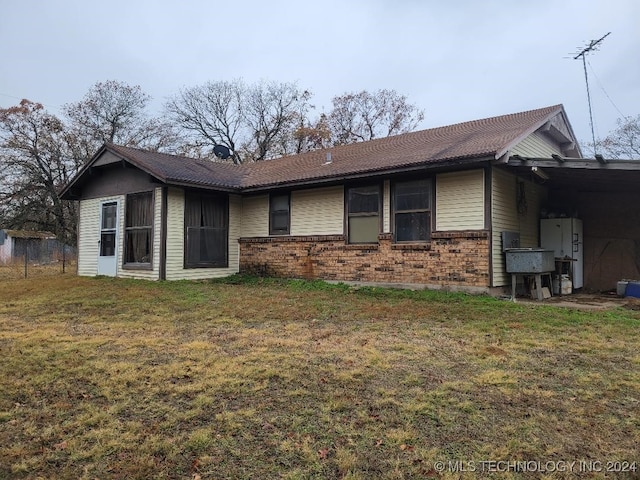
x=32 y=258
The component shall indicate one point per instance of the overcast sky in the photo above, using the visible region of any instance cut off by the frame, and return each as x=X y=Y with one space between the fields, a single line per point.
x=457 y=60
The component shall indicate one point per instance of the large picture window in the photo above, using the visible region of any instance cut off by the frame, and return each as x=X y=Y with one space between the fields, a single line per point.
x=138 y=230
x=363 y=214
x=206 y=219
x=279 y=214
x=412 y=211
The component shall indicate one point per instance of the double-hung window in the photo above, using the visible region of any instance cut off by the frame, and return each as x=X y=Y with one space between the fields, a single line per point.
x=206 y=221
x=138 y=230
x=279 y=218
x=363 y=214
x=412 y=211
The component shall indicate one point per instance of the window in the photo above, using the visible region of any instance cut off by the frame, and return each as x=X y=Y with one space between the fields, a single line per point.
x=279 y=214
x=363 y=214
x=206 y=221
x=412 y=211
x=138 y=230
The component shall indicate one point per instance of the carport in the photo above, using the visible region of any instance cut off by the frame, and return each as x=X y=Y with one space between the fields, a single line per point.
x=605 y=194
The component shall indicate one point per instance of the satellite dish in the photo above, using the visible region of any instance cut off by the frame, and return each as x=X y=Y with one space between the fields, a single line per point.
x=222 y=152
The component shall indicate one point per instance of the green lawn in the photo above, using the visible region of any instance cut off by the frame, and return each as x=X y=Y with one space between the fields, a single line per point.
x=247 y=378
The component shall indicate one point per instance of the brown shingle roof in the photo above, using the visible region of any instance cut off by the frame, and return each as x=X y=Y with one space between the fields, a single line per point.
x=468 y=141
x=174 y=169
x=477 y=139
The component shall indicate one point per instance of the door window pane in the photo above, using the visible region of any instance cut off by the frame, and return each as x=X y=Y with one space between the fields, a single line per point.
x=109 y=212
x=108 y=227
x=108 y=244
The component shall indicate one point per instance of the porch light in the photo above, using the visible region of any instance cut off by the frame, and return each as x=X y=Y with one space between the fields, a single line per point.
x=539 y=173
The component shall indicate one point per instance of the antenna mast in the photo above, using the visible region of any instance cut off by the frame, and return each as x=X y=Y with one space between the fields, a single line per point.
x=593 y=46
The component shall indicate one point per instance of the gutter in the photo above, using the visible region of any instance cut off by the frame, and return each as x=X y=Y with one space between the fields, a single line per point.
x=367 y=174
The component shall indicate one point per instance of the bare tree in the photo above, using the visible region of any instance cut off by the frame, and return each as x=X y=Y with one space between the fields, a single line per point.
x=254 y=121
x=36 y=162
x=272 y=113
x=312 y=135
x=39 y=153
x=624 y=141
x=211 y=114
x=362 y=116
x=115 y=112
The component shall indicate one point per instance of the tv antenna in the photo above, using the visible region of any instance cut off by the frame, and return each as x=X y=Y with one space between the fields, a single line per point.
x=591 y=47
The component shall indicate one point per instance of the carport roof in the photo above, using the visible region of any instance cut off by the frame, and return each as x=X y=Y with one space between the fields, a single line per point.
x=581 y=174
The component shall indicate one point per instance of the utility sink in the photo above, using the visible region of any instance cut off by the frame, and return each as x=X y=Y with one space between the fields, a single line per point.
x=530 y=260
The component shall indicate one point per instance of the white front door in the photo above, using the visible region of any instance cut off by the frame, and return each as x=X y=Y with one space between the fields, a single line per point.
x=107 y=251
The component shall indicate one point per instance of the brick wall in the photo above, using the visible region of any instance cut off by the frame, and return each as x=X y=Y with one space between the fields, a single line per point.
x=456 y=259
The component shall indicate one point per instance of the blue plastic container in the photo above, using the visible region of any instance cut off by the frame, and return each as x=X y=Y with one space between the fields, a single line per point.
x=632 y=290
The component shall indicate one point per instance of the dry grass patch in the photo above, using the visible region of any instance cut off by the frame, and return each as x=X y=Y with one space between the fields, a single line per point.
x=15 y=270
x=247 y=378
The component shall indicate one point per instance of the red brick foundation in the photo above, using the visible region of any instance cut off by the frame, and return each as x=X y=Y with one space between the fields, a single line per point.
x=455 y=259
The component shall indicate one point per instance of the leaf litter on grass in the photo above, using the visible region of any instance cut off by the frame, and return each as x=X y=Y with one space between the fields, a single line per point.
x=114 y=378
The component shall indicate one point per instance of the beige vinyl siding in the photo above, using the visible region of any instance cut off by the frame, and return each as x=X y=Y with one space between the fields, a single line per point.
x=537 y=145
x=175 y=240
x=530 y=222
x=89 y=233
x=255 y=216
x=154 y=273
x=235 y=224
x=175 y=234
x=386 y=207
x=460 y=200
x=317 y=211
x=505 y=217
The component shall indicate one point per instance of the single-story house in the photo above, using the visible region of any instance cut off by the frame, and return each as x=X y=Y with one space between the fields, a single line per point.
x=38 y=246
x=426 y=208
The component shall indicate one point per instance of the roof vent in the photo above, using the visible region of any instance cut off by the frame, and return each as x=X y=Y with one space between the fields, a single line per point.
x=328 y=160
